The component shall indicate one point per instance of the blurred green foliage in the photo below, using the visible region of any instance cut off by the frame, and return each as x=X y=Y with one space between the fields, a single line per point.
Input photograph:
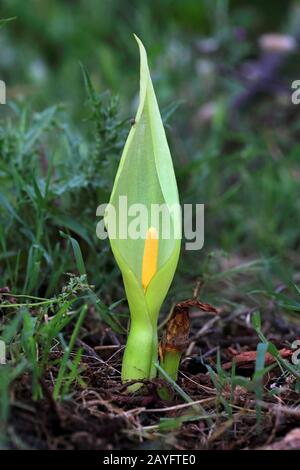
x=41 y=48
x=60 y=141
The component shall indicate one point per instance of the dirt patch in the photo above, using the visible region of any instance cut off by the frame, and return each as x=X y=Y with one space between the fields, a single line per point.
x=102 y=416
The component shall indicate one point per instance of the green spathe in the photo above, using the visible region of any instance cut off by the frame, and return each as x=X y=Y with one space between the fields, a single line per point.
x=145 y=176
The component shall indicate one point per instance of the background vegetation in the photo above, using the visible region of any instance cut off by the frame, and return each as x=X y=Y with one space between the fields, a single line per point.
x=71 y=69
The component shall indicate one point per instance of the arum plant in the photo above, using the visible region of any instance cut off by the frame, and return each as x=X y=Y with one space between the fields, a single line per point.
x=145 y=180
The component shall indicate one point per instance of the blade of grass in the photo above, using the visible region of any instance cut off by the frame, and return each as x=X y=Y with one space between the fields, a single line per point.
x=258 y=379
x=68 y=350
x=182 y=393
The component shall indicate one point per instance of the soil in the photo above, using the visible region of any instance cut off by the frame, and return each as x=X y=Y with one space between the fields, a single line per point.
x=103 y=416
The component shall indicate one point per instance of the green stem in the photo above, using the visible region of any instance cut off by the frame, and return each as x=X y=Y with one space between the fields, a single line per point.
x=138 y=352
x=170 y=365
x=154 y=355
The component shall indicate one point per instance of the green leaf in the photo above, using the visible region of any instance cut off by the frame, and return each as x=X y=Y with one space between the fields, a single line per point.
x=256 y=321
x=6 y=20
x=41 y=123
x=77 y=253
